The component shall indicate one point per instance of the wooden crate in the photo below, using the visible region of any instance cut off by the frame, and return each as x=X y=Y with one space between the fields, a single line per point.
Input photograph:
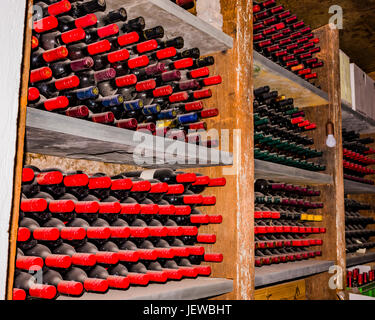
x=295 y=290
x=363 y=91
x=346 y=89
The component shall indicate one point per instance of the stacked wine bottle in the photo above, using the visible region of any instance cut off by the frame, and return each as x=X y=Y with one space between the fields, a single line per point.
x=94 y=232
x=281 y=37
x=356 y=157
x=282 y=214
x=362 y=281
x=92 y=63
x=357 y=235
x=278 y=126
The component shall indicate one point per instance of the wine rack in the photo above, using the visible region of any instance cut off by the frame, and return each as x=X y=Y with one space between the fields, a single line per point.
x=72 y=225
x=280 y=132
x=281 y=36
x=283 y=53
x=51 y=134
x=288 y=231
x=361 y=281
x=359 y=232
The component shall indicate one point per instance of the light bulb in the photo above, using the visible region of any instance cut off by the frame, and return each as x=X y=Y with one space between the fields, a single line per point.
x=331 y=141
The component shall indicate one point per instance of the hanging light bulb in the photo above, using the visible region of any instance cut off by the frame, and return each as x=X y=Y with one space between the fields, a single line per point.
x=331 y=141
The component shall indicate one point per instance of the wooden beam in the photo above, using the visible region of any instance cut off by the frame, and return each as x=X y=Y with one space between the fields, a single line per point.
x=20 y=147
x=332 y=195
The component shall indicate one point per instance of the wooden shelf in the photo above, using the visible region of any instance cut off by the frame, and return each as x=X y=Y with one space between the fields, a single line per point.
x=279 y=172
x=62 y=136
x=176 y=21
x=353 y=187
x=187 y=289
x=272 y=274
x=287 y=83
x=354 y=120
x=353 y=259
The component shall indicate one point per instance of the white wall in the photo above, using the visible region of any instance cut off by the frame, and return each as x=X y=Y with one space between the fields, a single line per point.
x=12 y=16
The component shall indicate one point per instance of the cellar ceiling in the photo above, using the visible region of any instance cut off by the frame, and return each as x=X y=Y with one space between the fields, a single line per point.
x=357 y=38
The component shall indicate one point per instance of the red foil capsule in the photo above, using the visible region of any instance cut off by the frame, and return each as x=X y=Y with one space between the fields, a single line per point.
x=189 y=231
x=40 y=74
x=121 y=184
x=108 y=30
x=59 y=8
x=147 y=46
x=138 y=62
x=149 y=208
x=33 y=94
x=130 y=208
x=106 y=257
x=27 y=175
x=126 y=81
x=18 y=294
x=202 y=94
x=128 y=255
x=72 y=233
x=210 y=81
x=145 y=85
x=29 y=263
x=42 y=291
x=45 y=24
x=141 y=186
x=60 y=102
x=183 y=63
x=49 y=177
x=86 y=21
x=199 y=73
x=46 y=234
x=130 y=124
x=77 y=112
x=67 y=83
x=128 y=38
x=209 y=113
x=34 y=42
x=178 y=97
x=98 y=232
x=58 y=206
x=166 y=53
x=73 y=288
x=55 y=54
x=105 y=117
x=99 y=182
x=83 y=259
x=104 y=75
x=33 y=205
x=109 y=207
x=98 y=47
x=95 y=285
x=163 y=91
x=74 y=35
x=119 y=55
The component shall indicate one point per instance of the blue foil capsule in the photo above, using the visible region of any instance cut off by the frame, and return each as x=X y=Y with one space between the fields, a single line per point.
x=87 y=93
x=151 y=109
x=112 y=101
x=167 y=114
x=133 y=105
x=188 y=118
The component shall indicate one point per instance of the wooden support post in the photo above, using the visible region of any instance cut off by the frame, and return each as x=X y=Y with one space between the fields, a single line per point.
x=332 y=195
